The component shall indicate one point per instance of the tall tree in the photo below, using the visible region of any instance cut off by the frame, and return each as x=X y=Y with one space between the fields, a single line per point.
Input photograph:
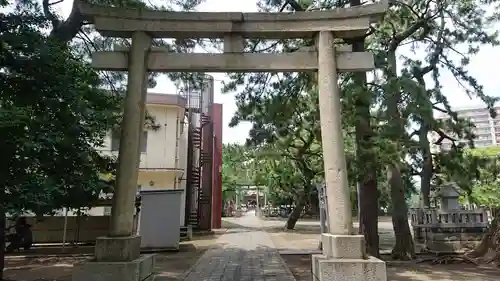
x=235 y=171
x=290 y=126
x=365 y=154
x=53 y=117
x=452 y=32
x=407 y=96
x=260 y=89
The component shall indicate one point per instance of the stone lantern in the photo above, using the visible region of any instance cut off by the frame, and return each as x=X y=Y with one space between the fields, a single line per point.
x=448 y=195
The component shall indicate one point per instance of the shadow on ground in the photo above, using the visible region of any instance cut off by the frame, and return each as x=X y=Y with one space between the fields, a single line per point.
x=31 y=266
x=304 y=237
x=300 y=265
x=240 y=263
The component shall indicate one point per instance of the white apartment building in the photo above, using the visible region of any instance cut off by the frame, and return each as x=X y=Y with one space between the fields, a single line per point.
x=164 y=149
x=487 y=129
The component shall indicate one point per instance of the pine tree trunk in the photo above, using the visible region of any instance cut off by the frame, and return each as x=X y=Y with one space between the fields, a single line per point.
x=368 y=196
x=2 y=241
x=427 y=167
x=425 y=148
x=369 y=216
x=404 y=249
x=295 y=214
x=368 y=221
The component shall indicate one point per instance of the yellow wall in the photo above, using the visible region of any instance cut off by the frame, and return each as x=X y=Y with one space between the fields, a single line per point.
x=163 y=179
x=166 y=153
x=165 y=146
x=162 y=146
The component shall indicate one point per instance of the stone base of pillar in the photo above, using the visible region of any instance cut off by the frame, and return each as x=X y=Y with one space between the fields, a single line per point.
x=344 y=259
x=140 y=269
x=116 y=249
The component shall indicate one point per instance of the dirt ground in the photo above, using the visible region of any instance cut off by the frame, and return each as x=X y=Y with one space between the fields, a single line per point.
x=307 y=236
x=169 y=265
x=300 y=265
x=172 y=266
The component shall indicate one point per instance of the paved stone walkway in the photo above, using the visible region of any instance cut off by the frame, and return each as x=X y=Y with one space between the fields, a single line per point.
x=242 y=254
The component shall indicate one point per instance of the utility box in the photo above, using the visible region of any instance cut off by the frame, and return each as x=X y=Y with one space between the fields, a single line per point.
x=159 y=224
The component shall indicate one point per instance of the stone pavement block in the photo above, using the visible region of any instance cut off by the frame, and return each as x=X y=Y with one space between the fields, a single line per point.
x=244 y=254
x=137 y=270
x=117 y=248
x=315 y=266
x=371 y=269
x=343 y=246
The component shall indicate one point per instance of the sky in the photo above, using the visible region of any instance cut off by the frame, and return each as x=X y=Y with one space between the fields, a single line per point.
x=480 y=68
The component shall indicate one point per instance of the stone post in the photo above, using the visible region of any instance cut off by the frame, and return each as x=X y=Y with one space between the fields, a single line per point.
x=343 y=255
x=122 y=243
x=337 y=187
x=117 y=256
x=130 y=140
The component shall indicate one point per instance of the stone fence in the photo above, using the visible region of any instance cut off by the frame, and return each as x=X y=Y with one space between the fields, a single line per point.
x=427 y=217
x=448 y=230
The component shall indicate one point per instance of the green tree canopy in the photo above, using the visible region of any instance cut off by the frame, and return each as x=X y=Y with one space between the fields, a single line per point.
x=53 y=117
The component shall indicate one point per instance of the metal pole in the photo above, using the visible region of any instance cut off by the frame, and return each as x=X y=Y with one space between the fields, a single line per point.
x=323 y=208
x=322 y=220
x=65 y=230
x=323 y=211
x=238 y=198
x=257 y=208
x=358 y=193
x=265 y=196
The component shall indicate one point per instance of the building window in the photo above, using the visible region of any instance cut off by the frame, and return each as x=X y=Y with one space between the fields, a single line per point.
x=482 y=124
x=115 y=141
x=482 y=143
x=482 y=131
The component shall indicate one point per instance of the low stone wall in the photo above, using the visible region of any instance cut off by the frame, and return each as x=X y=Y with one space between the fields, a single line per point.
x=448 y=231
x=83 y=229
x=79 y=229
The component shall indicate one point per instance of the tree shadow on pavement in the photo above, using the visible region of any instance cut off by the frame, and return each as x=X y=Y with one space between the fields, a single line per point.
x=300 y=265
x=171 y=265
x=238 y=263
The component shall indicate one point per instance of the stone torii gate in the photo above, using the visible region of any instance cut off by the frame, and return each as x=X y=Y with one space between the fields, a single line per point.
x=343 y=255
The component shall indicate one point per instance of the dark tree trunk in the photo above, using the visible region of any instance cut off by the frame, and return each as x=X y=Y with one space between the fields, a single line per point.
x=295 y=214
x=404 y=249
x=369 y=215
x=427 y=168
x=4 y=168
x=2 y=239
x=368 y=196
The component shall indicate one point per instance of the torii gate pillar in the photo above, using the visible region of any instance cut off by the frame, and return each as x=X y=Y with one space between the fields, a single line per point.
x=122 y=244
x=343 y=257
